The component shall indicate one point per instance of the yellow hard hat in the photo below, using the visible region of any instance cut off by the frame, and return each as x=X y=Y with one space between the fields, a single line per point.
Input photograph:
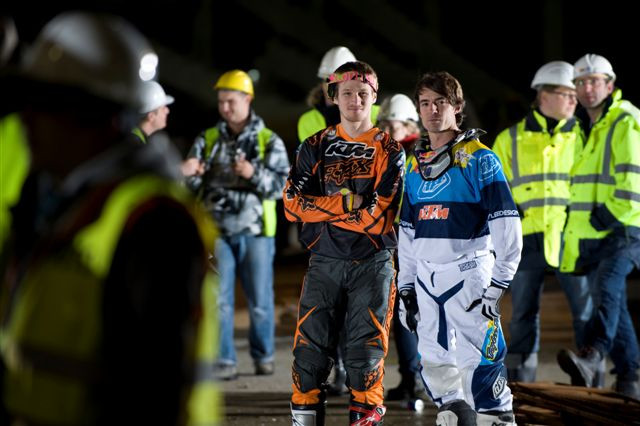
x=235 y=80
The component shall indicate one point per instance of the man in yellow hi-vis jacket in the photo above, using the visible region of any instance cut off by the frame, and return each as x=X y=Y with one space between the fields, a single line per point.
x=537 y=154
x=602 y=236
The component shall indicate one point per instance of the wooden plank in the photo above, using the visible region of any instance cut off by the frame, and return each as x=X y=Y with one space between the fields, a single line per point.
x=573 y=403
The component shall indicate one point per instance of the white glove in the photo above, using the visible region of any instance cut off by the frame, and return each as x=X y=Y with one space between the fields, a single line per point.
x=490 y=300
x=408 y=312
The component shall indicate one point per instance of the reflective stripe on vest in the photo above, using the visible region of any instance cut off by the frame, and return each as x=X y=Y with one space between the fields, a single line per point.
x=541 y=177
x=269 y=217
x=50 y=369
x=605 y=176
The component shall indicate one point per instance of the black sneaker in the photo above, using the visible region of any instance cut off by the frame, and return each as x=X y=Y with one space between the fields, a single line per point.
x=265 y=368
x=581 y=367
x=410 y=387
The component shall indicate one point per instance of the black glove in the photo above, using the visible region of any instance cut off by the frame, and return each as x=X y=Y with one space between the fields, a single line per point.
x=408 y=311
x=300 y=181
x=369 y=202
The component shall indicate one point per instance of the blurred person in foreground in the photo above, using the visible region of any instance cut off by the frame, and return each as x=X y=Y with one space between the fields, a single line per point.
x=106 y=310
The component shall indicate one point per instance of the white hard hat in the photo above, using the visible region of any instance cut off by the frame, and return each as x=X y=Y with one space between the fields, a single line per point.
x=102 y=55
x=331 y=60
x=8 y=38
x=398 y=107
x=155 y=97
x=593 y=64
x=556 y=73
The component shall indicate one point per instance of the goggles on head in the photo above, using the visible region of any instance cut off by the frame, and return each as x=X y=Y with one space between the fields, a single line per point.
x=434 y=163
x=339 y=77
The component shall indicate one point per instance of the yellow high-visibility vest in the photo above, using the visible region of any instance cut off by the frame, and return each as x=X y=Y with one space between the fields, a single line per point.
x=269 y=216
x=14 y=166
x=537 y=162
x=606 y=176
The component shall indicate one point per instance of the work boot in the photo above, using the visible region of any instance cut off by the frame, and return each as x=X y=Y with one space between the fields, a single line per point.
x=496 y=418
x=338 y=385
x=456 y=413
x=365 y=414
x=581 y=367
x=307 y=415
x=629 y=388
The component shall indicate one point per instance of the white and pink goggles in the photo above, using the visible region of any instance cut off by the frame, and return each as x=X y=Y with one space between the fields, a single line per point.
x=338 y=77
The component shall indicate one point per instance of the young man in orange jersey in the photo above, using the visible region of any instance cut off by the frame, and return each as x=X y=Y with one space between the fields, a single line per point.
x=345 y=188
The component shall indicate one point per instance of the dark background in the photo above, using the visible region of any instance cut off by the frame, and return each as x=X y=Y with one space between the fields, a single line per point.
x=492 y=48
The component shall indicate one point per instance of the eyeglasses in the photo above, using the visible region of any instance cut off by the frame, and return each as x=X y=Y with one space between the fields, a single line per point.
x=594 y=82
x=571 y=96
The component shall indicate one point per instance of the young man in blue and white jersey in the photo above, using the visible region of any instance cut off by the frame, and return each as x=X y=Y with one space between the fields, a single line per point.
x=460 y=243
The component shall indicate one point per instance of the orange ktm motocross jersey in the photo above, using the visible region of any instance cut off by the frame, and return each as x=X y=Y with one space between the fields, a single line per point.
x=329 y=166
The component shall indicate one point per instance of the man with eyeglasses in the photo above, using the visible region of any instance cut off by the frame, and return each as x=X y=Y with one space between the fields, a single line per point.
x=537 y=154
x=460 y=242
x=602 y=236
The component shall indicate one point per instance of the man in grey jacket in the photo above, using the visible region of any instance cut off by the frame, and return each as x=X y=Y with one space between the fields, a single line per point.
x=239 y=167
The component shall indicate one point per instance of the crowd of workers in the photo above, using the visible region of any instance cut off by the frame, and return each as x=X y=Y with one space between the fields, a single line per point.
x=119 y=258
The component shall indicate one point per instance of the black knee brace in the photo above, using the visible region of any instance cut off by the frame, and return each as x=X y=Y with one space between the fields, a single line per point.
x=363 y=373
x=310 y=369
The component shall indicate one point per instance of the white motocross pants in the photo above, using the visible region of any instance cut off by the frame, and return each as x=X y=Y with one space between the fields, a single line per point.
x=462 y=352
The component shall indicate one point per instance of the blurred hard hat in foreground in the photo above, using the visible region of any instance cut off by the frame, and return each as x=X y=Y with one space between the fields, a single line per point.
x=103 y=55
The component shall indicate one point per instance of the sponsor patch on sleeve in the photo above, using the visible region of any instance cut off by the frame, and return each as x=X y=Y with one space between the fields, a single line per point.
x=503 y=213
x=489 y=167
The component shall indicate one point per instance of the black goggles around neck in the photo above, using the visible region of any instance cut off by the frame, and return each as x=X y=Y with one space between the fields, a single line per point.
x=433 y=163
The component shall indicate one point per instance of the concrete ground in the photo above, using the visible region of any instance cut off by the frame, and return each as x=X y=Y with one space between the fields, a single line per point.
x=264 y=400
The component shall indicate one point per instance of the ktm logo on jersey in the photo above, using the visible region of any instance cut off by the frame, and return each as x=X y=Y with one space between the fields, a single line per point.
x=433 y=211
x=345 y=170
x=350 y=150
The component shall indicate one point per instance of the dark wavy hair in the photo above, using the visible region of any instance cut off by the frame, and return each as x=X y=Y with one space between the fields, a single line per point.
x=444 y=84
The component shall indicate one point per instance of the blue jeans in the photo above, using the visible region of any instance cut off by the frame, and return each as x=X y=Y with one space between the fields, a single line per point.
x=252 y=256
x=610 y=329
x=526 y=291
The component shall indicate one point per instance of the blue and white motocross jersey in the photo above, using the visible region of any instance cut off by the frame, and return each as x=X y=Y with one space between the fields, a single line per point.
x=468 y=209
